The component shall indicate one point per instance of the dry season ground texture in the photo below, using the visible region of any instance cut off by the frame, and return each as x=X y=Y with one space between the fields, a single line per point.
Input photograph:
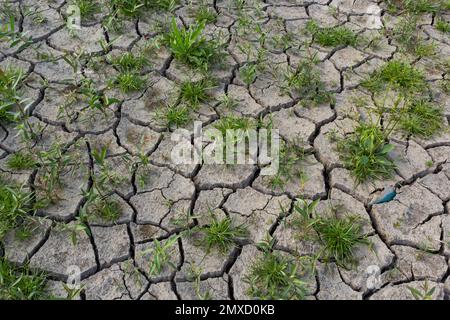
x=92 y=207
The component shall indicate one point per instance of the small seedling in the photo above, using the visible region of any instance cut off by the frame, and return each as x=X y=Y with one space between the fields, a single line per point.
x=248 y=73
x=425 y=294
x=129 y=67
x=305 y=82
x=10 y=83
x=74 y=229
x=128 y=8
x=129 y=82
x=291 y=156
x=160 y=255
x=408 y=35
x=205 y=15
x=339 y=238
x=227 y=102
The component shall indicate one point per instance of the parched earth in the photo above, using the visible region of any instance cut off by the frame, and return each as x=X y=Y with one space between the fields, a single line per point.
x=410 y=235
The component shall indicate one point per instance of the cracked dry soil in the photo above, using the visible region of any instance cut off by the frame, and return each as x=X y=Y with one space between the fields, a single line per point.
x=409 y=236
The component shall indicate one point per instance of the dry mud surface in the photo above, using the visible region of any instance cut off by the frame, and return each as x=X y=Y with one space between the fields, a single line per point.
x=409 y=235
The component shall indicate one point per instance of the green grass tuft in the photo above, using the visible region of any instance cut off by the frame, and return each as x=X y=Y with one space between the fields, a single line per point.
x=189 y=46
x=14 y=206
x=20 y=283
x=397 y=75
x=192 y=93
x=338 y=236
x=221 y=234
x=421 y=119
x=275 y=277
x=365 y=153
x=332 y=37
x=442 y=26
x=175 y=115
x=305 y=81
x=21 y=161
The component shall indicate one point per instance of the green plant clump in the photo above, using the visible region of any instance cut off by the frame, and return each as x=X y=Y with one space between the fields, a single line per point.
x=10 y=82
x=338 y=236
x=20 y=283
x=192 y=93
x=21 y=161
x=421 y=119
x=305 y=82
x=129 y=67
x=396 y=75
x=189 y=46
x=275 y=277
x=14 y=206
x=220 y=234
x=332 y=37
x=365 y=153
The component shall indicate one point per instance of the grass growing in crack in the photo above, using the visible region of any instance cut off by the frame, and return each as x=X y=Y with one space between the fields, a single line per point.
x=195 y=273
x=426 y=293
x=205 y=15
x=160 y=255
x=442 y=25
x=421 y=118
x=175 y=115
x=227 y=102
x=21 y=160
x=10 y=82
x=338 y=236
x=418 y=6
x=239 y=126
x=102 y=207
x=332 y=37
x=129 y=62
x=163 y=5
x=192 y=93
x=20 y=283
x=234 y=123
x=220 y=234
x=99 y=200
x=128 y=8
x=15 y=204
x=189 y=46
x=365 y=153
x=248 y=73
x=396 y=75
x=88 y=8
x=291 y=156
x=54 y=162
x=408 y=35
x=129 y=67
x=275 y=277
x=305 y=81
x=130 y=82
